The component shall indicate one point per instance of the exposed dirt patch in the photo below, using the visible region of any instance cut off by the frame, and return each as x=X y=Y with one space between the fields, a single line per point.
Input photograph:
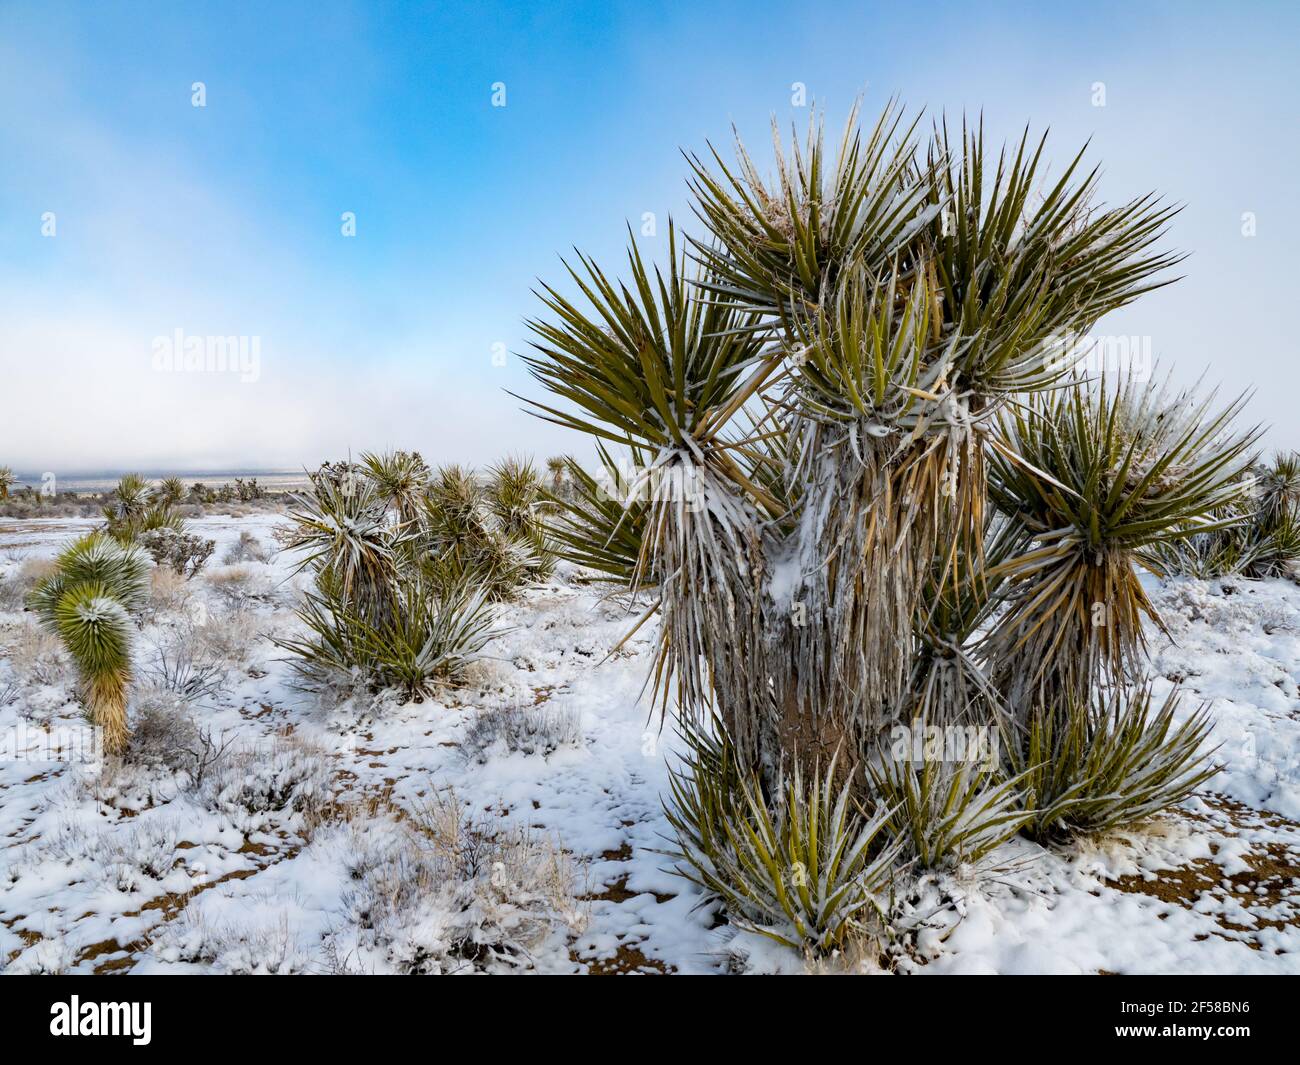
x=1246 y=903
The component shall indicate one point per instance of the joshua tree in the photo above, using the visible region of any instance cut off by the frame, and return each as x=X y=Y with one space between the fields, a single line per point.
x=171 y=490
x=134 y=509
x=402 y=478
x=87 y=602
x=557 y=467
x=811 y=413
x=7 y=480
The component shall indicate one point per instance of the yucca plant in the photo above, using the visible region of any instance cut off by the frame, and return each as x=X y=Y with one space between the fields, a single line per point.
x=135 y=509
x=424 y=644
x=558 y=467
x=462 y=539
x=599 y=504
x=807 y=869
x=812 y=411
x=515 y=496
x=171 y=490
x=949 y=813
x=1230 y=548
x=1111 y=760
x=1097 y=475
x=7 y=481
x=402 y=597
x=342 y=530
x=88 y=602
x=401 y=478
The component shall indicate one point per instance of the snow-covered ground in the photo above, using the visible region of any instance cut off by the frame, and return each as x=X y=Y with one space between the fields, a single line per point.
x=376 y=838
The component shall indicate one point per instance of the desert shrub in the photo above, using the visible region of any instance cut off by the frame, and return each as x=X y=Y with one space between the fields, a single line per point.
x=456 y=894
x=287 y=775
x=38 y=657
x=130 y=859
x=539 y=730
x=1116 y=759
x=163 y=731
x=180 y=551
x=19 y=580
x=248 y=548
x=261 y=943
x=166 y=733
x=168 y=591
x=235 y=586
x=88 y=601
x=180 y=666
x=805 y=867
x=228 y=638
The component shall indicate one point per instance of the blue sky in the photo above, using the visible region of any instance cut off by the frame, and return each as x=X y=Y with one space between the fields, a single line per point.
x=226 y=219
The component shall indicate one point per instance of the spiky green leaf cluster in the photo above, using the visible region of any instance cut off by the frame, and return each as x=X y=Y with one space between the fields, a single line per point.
x=946 y=813
x=1096 y=476
x=805 y=867
x=1110 y=761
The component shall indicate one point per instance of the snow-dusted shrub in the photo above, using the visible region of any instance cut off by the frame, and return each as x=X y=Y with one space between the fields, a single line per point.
x=39 y=657
x=180 y=665
x=256 y=945
x=453 y=894
x=46 y=957
x=235 y=586
x=248 y=548
x=132 y=857
x=168 y=590
x=182 y=552
x=540 y=730
x=21 y=579
x=228 y=638
x=286 y=775
x=163 y=731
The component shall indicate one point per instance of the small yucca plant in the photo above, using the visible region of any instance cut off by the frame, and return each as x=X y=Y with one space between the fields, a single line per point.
x=805 y=867
x=464 y=540
x=946 y=814
x=135 y=509
x=402 y=478
x=594 y=527
x=88 y=600
x=1257 y=537
x=171 y=490
x=1093 y=765
x=342 y=530
x=423 y=645
x=515 y=495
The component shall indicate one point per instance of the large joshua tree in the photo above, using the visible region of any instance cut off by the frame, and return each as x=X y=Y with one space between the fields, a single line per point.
x=811 y=408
